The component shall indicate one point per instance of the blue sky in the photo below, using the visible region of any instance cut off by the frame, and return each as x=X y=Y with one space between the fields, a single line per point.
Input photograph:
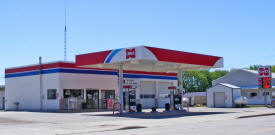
x=241 y=31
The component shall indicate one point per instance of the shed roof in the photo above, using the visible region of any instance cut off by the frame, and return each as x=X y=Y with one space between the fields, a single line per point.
x=230 y=85
x=244 y=70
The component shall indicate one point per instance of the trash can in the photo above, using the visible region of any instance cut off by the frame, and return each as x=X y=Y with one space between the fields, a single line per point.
x=167 y=107
x=139 y=107
x=84 y=105
x=154 y=109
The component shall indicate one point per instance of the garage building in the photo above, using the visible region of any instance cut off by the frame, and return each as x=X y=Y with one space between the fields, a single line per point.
x=247 y=80
x=222 y=95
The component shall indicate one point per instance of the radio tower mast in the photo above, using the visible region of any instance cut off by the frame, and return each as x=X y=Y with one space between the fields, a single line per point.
x=65 y=33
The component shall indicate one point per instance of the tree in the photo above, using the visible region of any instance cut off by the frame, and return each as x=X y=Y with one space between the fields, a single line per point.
x=199 y=81
x=195 y=81
x=255 y=67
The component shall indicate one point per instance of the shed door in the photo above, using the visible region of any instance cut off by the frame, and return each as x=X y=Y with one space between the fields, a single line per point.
x=219 y=99
x=147 y=94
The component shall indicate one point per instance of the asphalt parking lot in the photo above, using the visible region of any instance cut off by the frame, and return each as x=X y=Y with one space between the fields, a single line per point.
x=200 y=120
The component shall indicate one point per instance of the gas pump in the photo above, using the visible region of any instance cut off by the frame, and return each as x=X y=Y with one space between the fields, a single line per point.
x=129 y=98
x=175 y=98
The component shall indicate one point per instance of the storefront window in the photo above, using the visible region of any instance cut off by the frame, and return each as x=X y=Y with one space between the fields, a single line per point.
x=51 y=94
x=76 y=93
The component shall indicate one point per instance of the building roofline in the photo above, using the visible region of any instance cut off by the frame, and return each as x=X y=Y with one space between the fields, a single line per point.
x=241 y=69
x=226 y=75
x=30 y=65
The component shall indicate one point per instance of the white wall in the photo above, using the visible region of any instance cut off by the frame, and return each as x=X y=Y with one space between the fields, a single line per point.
x=219 y=88
x=257 y=100
x=50 y=81
x=90 y=81
x=24 y=90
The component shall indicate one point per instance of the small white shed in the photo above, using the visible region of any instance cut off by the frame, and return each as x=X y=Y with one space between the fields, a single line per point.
x=222 y=95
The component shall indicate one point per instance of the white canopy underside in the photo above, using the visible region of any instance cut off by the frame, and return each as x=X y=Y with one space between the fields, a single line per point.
x=149 y=66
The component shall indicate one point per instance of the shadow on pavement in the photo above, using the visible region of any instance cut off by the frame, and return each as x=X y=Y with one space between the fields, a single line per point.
x=159 y=115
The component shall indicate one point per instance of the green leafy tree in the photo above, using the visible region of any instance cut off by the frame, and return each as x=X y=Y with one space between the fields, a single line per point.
x=255 y=67
x=199 y=81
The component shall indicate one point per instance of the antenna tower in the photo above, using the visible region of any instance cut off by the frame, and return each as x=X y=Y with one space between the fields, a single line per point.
x=65 y=32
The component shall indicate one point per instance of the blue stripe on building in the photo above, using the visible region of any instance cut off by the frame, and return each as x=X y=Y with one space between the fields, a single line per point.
x=78 y=71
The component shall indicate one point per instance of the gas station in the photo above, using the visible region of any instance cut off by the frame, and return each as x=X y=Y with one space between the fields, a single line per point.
x=133 y=78
x=149 y=59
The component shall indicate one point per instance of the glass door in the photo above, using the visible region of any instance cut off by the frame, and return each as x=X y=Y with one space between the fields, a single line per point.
x=92 y=99
x=108 y=97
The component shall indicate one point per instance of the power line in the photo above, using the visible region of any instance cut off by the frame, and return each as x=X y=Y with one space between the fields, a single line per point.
x=256 y=60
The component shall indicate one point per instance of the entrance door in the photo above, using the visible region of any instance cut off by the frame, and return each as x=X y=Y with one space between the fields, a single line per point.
x=108 y=97
x=219 y=99
x=92 y=99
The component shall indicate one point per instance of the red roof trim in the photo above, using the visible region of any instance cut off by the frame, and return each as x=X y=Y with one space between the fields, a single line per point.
x=92 y=58
x=72 y=65
x=183 y=57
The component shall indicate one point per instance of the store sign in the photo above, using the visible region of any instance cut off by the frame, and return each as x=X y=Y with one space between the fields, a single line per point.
x=264 y=77
x=131 y=53
x=264 y=71
x=132 y=82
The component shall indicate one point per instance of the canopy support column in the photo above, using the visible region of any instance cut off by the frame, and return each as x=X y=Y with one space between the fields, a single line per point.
x=120 y=74
x=180 y=87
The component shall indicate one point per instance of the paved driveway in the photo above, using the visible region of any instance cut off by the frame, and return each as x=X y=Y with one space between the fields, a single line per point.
x=217 y=121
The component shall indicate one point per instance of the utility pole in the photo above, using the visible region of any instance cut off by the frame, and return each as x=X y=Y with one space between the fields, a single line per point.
x=40 y=83
x=265 y=100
